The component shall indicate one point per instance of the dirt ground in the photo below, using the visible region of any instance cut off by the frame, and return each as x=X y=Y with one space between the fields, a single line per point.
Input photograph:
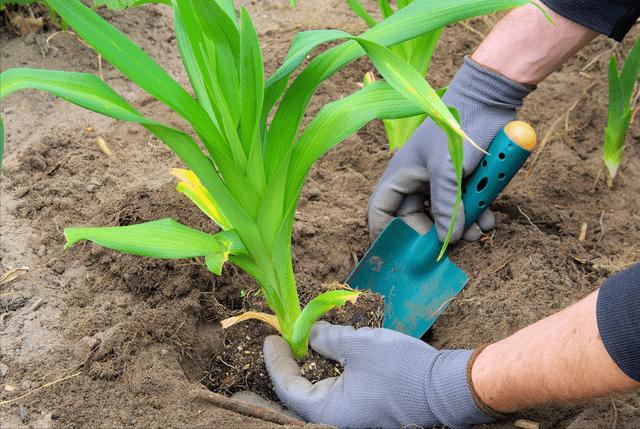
x=95 y=338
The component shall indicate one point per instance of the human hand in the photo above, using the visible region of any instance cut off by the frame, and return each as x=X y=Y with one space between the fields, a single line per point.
x=422 y=167
x=390 y=380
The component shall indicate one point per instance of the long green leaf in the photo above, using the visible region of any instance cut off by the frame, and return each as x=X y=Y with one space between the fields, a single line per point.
x=164 y=238
x=251 y=100
x=120 y=51
x=630 y=70
x=385 y=8
x=229 y=117
x=422 y=51
x=617 y=105
x=252 y=78
x=218 y=25
x=359 y=10
x=417 y=52
x=303 y=43
x=83 y=89
x=407 y=81
x=272 y=213
x=457 y=158
x=214 y=45
x=189 y=41
x=223 y=48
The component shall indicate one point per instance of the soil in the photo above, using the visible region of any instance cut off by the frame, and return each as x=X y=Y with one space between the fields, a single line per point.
x=96 y=338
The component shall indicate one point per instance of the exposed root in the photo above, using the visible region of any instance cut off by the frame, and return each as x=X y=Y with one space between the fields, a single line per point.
x=39 y=388
x=621 y=262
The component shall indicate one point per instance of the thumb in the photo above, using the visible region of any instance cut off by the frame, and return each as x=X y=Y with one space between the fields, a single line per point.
x=331 y=341
x=281 y=366
x=295 y=391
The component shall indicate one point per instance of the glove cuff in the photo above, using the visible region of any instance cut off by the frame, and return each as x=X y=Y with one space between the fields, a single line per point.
x=448 y=392
x=490 y=86
x=526 y=85
x=484 y=408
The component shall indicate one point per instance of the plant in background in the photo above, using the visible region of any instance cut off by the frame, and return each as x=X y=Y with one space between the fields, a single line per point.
x=249 y=176
x=621 y=88
x=61 y=23
x=417 y=52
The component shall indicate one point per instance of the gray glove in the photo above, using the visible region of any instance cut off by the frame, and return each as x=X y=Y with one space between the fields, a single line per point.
x=390 y=380
x=486 y=101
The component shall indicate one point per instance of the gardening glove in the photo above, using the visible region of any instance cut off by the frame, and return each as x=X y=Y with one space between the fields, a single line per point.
x=486 y=101
x=390 y=380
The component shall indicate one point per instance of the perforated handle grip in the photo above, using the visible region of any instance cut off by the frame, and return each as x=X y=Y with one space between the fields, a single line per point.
x=506 y=154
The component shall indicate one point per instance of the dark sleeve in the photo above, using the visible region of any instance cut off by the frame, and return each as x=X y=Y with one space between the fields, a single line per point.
x=613 y=18
x=618 y=315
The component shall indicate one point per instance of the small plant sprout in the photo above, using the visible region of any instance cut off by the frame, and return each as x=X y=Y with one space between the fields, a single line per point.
x=247 y=176
x=621 y=88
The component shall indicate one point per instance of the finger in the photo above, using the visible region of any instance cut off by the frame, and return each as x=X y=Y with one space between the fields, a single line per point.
x=389 y=194
x=381 y=210
x=378 y=221
x=331 y=341
x=473 y=233
x=281 y=366
x=411 y=211
x=295 y=391
x=486 y=221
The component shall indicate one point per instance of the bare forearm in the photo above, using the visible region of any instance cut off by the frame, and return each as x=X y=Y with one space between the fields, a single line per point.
x=525 y=47
x=559 y=359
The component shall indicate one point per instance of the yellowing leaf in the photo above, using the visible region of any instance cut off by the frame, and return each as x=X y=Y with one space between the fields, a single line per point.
x=192 y=188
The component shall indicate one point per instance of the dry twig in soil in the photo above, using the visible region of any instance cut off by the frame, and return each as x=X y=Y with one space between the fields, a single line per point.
x=245 y=408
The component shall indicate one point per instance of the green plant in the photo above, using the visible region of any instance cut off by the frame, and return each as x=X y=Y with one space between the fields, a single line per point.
x=249 y=176
x=621 y=87
x=61 y=23
x=54 y=16
x=4 y=3
x=111 y=4
x=417 y=52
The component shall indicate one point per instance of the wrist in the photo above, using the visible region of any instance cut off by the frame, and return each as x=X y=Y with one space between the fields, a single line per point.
x=526 y=47
x=482 y=406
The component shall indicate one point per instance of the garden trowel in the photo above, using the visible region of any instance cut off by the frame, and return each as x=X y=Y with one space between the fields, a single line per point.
x=403 y=265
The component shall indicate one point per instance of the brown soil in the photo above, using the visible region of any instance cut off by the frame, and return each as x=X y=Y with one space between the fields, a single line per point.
x=135 y=335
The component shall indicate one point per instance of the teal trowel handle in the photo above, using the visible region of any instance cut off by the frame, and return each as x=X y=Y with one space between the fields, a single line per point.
x=506 y=154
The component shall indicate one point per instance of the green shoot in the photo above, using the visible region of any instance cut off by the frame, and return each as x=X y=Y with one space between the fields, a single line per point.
x=249 y=176
x=621 y=88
